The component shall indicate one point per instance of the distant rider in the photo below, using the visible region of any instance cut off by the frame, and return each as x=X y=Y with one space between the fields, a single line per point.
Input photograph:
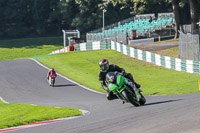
x=104 y=69
x=50 y=73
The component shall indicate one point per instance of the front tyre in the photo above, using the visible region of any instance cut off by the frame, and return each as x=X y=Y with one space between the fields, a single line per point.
x=52 y=82
x=131 y=98
x=142 y=99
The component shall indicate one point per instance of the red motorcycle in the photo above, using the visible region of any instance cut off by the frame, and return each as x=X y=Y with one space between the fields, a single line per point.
x=52 y=78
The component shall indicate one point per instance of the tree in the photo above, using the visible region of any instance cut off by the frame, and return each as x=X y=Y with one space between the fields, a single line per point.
x=175 y=6
x=148 y=6
x=143 y=6
x=90 y=14
x=194 y=11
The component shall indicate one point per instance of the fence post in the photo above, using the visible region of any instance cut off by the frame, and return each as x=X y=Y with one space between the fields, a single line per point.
x=199 y=31
x=199 y=85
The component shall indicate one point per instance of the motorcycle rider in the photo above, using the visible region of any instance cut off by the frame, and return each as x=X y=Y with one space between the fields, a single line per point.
x=104 y=69
x=50 y=73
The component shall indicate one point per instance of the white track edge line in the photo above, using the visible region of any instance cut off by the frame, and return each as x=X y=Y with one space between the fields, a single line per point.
x=3 y=100
x=76 y=82
x=84 y=112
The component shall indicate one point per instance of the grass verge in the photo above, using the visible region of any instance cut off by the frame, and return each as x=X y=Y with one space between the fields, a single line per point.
x=20 y=114
x=17 y=53
x=30 y=47
x=171 y=52
x=83 y=67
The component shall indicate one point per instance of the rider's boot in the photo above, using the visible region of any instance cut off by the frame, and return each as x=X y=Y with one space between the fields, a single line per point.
x=111 y=96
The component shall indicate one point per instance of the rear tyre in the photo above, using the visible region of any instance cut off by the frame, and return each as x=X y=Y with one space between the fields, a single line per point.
x=131 y=98
x=53 y=82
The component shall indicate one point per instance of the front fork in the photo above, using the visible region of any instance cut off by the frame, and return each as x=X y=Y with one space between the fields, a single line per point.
x=137 y=95
x=136 y=91
x=120 y=96
x=49 y=80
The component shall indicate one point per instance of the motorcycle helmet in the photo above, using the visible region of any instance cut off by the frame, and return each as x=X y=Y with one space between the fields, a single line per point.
x=52 y=69
x=104 y=65
x=111 y=77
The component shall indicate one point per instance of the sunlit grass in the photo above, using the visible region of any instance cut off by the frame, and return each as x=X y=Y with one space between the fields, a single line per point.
x=29 y=47
x=17 y=53
x=20 y=114
x=171 y=52
x=83 y=68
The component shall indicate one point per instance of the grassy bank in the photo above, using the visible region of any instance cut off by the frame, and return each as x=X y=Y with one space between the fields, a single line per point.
x=83 y=68
x=17 y=53
x=20 y=114
x=30 y=47
x=171 y=52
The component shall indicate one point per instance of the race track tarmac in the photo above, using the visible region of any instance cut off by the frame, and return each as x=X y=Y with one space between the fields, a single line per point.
x=24 y=81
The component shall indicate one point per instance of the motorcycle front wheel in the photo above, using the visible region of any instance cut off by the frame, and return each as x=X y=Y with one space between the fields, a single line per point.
x=142 y=99
x=131 y=98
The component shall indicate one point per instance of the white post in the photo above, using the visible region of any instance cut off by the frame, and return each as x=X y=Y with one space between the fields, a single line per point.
x=78 y=32
x=103 y=19
x=199 y=30
x=64 y=39
x=199 y=22
x=69 y=39
x=103 y=22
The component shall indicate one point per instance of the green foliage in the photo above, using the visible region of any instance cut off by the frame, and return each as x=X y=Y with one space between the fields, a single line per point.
x=30 y=18
x=21 y=18
x=143 y=6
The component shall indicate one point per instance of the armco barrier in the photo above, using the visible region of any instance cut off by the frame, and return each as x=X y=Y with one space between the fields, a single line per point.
x=93 y=46
x=59 y=51
x=86 y=46
x=160 y=60
x=188 y=66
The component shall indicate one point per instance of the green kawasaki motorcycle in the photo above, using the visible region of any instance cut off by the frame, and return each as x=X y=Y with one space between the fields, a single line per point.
x=124 y=89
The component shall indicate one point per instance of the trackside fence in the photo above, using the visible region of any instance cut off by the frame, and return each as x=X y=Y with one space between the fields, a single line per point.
x=178 y=64
x=93 y=46
x=188 y=66
x=189 y=46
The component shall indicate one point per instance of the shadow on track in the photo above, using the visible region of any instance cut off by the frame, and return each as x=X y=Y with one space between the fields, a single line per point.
x=161 y=102
x=65 y=85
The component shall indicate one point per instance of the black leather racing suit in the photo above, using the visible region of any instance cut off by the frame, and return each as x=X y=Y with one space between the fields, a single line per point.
x=102 y=79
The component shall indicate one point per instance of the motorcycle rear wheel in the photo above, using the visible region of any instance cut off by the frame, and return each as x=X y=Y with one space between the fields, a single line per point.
x=52 y=82
x=131 y=98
